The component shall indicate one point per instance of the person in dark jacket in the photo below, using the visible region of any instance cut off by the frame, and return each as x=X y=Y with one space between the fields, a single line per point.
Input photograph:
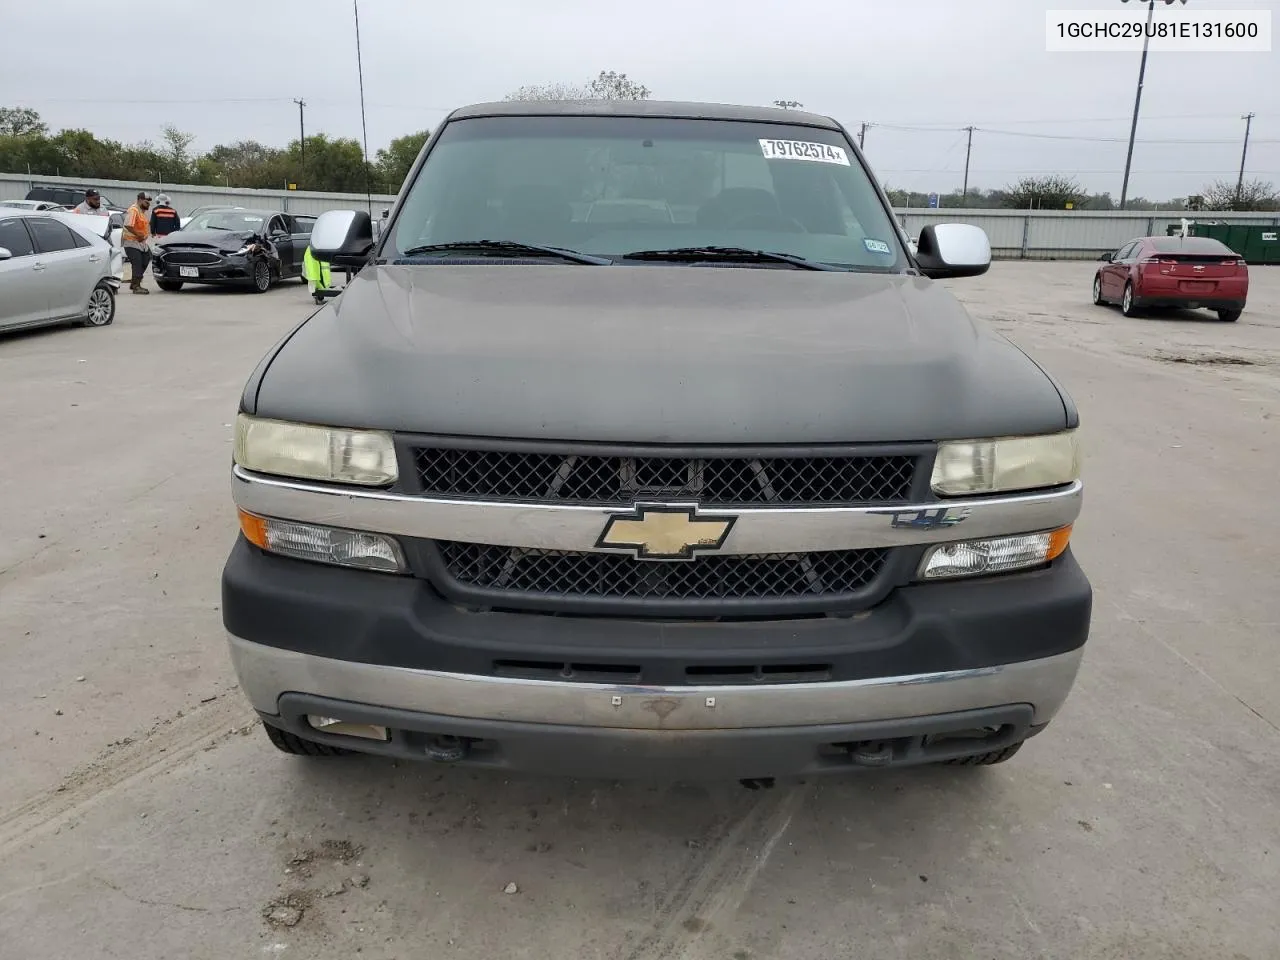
x=164 y=219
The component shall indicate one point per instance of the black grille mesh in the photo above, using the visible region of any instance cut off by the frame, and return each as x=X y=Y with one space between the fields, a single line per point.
x=606 y=480
x=190 y=256
x=613 y=576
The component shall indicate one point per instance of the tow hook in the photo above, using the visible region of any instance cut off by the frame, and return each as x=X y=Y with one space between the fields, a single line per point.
x=446 y=749
x=871 y=753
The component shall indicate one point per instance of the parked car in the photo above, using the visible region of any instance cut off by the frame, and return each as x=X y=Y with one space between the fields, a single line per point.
x=198 y=211
x=54 y=271
x=68 y=196
x=1174 y=271
x=256 y=248
x=547 y=493
x=33 y=205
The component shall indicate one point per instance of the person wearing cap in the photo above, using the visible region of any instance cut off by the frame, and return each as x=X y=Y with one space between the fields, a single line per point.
x=164 y=219
x=136 y=237
x=91 y=205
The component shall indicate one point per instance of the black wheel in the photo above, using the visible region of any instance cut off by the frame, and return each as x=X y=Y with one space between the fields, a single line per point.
x=1229 y=316
x=985 y=759
x=261 y=277
x=1097 y=290
x=1129 y=303
x=102 y=306
x=289 y=743
x=172 y=286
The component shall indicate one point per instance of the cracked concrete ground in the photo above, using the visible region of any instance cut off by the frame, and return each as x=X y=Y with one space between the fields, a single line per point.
x=143 y=814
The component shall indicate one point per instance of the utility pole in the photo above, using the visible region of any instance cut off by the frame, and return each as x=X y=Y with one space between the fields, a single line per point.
x=1248 y=122
x=967 y=150
x=1137 y=99
x=302 y=133
x=862 y=134
x=364 y=128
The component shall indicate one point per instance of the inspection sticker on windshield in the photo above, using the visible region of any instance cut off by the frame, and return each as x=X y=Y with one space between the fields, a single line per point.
x=802 y=150
x=876 y=246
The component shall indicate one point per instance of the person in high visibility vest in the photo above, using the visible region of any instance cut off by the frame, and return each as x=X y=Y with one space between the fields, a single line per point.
x=317 y=274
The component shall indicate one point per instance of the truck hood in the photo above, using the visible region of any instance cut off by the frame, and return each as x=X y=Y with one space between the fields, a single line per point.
x=654 y=354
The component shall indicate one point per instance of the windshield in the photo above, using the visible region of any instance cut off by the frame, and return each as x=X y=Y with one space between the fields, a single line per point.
x=237 y=220
x=614 y=185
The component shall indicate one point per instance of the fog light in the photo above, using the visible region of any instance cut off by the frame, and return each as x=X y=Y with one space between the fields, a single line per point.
x=306 y=541
x=973 y=558
x=366 y=731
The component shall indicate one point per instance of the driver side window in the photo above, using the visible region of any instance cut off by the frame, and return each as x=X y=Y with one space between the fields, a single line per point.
x=1125 y=252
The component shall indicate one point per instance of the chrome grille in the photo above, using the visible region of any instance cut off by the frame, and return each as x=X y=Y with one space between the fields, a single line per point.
x=621 y=480
x=190 y=257
x=557 y=573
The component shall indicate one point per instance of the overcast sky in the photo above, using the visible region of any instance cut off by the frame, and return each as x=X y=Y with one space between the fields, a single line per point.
x=229 y=70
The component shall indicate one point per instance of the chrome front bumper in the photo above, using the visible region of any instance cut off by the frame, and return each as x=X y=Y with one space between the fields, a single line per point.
x=577 y=528
x=267 y=673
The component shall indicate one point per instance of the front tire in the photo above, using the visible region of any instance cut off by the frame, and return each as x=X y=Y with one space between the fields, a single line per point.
x=290 y=743
x=261 y=277
x=172 y=286
x=1129 y=303
x=1229 y=316
x=102 y=306
x=1097 y=291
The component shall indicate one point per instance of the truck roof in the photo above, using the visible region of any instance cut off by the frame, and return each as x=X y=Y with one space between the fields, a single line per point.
x=642 y=108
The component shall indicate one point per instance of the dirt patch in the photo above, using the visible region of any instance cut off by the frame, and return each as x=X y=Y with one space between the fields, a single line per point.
x=287 y=910
x=329 y=851
x=1207 y=359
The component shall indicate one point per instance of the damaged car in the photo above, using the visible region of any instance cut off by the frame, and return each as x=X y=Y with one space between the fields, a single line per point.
x=253 y=248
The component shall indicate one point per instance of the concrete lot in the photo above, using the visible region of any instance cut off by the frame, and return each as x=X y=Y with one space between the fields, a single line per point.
x=143 y=815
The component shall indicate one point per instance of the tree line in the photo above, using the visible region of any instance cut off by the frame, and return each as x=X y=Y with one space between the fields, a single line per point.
x=337 y=164
x=321 y=162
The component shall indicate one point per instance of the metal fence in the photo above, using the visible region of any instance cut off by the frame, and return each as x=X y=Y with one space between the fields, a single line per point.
x=1066 y=234
x=1015 y=234
x=185 y=197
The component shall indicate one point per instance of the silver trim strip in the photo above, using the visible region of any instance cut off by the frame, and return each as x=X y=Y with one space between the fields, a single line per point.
x=577 y=528
x=267 y=672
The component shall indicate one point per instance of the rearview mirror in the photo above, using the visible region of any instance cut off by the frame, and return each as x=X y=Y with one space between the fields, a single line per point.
x=5 y=254
x=343 y=238
x=953 y=250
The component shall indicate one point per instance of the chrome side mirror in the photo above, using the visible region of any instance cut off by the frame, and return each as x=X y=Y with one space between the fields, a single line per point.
x=953 y=250
x=342 y=237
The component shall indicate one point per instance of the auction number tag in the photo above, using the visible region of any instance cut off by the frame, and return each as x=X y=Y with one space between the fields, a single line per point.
x=803 y=150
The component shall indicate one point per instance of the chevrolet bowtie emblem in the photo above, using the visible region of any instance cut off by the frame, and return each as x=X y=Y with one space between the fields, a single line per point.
x=657 y=531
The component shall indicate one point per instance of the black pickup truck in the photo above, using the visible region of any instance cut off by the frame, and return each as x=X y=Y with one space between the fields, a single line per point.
x=588 y=470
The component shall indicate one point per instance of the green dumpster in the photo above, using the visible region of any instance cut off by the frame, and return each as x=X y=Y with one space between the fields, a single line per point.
x=1258 y=244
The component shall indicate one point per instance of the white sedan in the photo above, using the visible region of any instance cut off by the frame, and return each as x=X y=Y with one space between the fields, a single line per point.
x=55 y=269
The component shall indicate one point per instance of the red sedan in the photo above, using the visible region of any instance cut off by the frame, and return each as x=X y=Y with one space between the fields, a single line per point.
x=1184 y=272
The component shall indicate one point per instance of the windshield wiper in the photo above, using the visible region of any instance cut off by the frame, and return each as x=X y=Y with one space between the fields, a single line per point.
x=510 y=247
x=727 y=255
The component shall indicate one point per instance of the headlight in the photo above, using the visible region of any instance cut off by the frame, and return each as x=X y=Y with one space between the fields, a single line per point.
x=365 y=457
x=238 y=253
x=1014 y=463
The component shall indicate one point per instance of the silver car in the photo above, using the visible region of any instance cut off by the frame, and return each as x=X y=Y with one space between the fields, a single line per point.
x=54 y=270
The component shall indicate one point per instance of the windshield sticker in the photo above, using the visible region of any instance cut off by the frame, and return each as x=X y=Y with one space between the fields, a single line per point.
x=876 y=246
x=801 y=150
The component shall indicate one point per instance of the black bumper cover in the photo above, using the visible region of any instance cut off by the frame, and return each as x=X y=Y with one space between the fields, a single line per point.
x=401 y=621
